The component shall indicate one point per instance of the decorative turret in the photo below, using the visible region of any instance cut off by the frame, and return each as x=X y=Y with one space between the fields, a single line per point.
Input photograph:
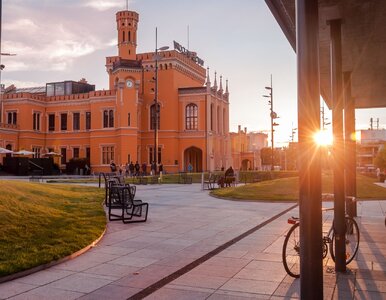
x=127 y=34
x=215 y=81
x=221 y=89
x=207 y=77
x=226 y=94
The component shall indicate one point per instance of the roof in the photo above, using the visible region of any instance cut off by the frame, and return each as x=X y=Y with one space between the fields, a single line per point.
x=32 y=90
x=363 y=44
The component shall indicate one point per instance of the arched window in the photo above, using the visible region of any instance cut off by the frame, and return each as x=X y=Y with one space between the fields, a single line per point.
x=129 y=36
x=123 y=36
x=153 y=114
x=191 y=117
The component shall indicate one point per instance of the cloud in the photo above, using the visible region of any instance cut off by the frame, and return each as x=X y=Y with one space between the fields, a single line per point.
x=104 y=4
x=112 y=42
x=26 y=24
x=22 y=84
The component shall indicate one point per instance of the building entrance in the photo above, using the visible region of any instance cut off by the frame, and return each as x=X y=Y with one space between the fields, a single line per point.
x=193 y=156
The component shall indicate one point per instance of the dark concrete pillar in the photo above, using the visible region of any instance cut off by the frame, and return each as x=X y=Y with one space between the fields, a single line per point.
x=338 y=145
x=350 y=144
x=311 y=269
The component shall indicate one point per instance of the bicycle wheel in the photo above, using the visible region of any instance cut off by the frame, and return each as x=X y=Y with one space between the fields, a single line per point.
x=352 y=240
x=291 y=252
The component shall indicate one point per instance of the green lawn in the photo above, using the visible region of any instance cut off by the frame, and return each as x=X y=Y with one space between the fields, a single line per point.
x=287 y=189
x=44 y=222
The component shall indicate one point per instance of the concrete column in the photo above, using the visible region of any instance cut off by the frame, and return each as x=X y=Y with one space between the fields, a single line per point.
x=350 y=144
x=311 y=269
x=338 y=145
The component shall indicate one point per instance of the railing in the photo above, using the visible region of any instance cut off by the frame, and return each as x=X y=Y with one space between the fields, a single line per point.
x=40 y=169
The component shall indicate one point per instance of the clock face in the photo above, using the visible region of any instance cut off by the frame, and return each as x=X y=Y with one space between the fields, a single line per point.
x=129 y=83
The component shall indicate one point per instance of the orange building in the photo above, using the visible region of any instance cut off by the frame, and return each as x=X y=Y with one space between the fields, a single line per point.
x=73 y=119
x=245 y=149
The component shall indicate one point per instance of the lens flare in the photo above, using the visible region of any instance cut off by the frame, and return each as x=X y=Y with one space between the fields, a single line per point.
x=323 y=138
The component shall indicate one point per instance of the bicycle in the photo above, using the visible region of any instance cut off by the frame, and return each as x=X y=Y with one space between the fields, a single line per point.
x=291 y=245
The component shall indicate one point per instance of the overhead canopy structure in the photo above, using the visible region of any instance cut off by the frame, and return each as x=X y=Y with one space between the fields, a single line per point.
x=363 y=45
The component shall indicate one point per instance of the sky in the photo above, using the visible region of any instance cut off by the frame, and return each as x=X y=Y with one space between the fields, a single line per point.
x=57 y=40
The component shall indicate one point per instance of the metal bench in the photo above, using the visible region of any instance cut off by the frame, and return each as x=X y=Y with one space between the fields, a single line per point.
x=211 y=182
x=123 y=207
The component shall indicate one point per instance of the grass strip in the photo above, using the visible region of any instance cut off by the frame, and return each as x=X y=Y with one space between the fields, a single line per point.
x=287 y=189
x=41 y=223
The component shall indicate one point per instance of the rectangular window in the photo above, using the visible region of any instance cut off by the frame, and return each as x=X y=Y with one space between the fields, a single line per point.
x=111 y=118
x=107 y=154
x=151 y=155
x=108 y=118
x=12 y=118
x=36 y=151
x=76 y=121
x=128 y=119
x=36 y=121
x=51 y=122
x=88 y=120
x=63 y=121
x=75 y=152
x=59 y=88
x=63 y=158
x=88 y=153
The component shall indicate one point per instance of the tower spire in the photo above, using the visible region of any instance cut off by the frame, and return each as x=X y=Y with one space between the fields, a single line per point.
x=215 y=81
x=207 y=77
x=127 y=4
x=220 y=90
x=226 y=87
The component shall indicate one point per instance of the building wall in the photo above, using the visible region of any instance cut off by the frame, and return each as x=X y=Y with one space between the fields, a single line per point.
x=246 y=148
x=180 y=81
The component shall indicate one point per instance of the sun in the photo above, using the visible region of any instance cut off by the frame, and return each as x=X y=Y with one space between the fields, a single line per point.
x=323 y=138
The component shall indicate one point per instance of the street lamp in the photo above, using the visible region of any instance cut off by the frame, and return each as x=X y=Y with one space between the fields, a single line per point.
x=273 y=116
x=156 y=110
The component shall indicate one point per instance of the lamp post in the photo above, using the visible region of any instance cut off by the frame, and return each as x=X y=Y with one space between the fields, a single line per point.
x=156 y=110
x=273 y=116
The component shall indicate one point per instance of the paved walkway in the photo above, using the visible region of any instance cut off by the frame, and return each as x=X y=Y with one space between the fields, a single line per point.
x=185 y=224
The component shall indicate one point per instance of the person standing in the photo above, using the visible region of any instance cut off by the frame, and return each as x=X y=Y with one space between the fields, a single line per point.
x=153 y=168
x=131 y=169
x=144 y=169
x=113 y=166
x=137 y=167
x=190 y=168
x=161 y=168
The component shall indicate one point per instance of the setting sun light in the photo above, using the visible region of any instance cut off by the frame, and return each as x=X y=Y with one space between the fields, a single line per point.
x=323 y=138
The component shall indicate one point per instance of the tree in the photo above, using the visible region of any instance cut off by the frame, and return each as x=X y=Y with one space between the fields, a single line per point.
x=380 y=159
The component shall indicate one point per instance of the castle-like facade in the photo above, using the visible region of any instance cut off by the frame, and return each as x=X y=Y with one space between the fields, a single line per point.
x=191 y=115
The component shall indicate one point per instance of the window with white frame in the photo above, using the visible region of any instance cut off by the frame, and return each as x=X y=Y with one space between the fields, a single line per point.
x=36 y=121
x=107 y=154
x=108 y=118
x=191 y=117
x=36 y=151
x=12 y=117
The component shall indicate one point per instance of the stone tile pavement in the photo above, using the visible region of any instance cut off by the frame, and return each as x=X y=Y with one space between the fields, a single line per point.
x=186 y=224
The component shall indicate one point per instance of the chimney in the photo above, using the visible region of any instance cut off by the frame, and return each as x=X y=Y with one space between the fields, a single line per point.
x=239 y=128
x=245 y=129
